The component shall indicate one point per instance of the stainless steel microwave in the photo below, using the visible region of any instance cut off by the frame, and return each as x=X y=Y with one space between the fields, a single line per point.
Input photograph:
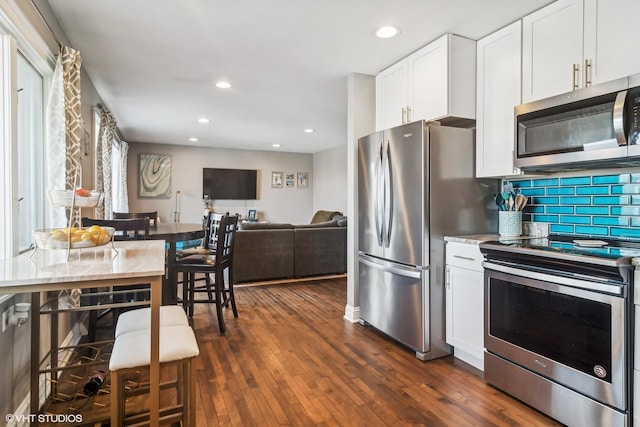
x=594 y=127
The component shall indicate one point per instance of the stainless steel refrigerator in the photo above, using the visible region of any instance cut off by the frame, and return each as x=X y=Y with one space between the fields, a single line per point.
x=415 y=185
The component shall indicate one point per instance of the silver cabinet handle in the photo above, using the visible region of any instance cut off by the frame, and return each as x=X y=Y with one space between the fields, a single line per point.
x=408 y=114
x=466 y=258
x=447 y=281
x=575 y=76
x=404 y=115
x=587 y=73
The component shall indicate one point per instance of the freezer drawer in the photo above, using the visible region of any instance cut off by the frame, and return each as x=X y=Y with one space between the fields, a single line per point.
x=392 y=300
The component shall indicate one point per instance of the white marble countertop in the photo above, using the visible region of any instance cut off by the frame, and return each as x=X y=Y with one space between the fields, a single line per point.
x=46 y=268
x=476 y=239
x=121 y=264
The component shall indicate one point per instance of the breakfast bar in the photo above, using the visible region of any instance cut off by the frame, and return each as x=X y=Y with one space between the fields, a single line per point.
x=124 y=263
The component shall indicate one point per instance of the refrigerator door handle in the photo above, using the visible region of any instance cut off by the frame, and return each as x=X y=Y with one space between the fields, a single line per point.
x=378 y=211
x=401 y=270
x=388 y=196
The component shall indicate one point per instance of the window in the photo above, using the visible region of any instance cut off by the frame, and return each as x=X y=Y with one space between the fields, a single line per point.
x=30 y=152
x=26 y=66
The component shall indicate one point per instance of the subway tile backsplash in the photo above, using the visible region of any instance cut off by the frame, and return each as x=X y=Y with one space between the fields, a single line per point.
x=602 y=205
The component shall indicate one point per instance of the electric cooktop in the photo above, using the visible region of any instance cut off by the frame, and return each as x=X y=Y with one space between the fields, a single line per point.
x=574 y=247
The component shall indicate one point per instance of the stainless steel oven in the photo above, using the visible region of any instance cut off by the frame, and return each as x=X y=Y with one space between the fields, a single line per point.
x=558 y=330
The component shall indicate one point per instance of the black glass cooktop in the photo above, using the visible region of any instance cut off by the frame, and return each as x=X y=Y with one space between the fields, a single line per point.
x=572 y=245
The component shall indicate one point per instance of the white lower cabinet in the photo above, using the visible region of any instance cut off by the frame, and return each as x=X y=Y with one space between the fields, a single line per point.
x=465 y=302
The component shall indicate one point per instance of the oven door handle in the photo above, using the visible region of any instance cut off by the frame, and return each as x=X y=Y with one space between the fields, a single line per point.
x=561 y=280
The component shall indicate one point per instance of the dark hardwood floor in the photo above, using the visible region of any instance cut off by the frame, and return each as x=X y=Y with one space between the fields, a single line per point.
x=291 y=359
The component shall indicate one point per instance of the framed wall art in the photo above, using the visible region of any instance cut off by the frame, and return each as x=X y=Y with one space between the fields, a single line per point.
x=155 y=175
x=303 y=179
x=276 y=179
x=289 y=180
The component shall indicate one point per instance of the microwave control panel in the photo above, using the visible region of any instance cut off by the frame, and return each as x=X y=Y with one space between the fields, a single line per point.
x=633 y=111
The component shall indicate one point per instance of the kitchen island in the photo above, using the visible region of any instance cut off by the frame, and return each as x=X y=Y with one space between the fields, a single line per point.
x=44 y=271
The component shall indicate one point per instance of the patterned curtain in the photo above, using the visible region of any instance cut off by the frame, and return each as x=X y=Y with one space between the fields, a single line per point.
x=123 y=203
x=106 y=136
x=74 y=126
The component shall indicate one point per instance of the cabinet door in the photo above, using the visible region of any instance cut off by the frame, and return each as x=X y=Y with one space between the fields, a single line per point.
x=610 y=38
x=428 y=81
x=498 y=92
x=465 y=310
x=391 y=95
x=551 y=48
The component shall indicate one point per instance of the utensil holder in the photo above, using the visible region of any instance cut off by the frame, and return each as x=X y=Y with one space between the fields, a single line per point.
x=510 y=223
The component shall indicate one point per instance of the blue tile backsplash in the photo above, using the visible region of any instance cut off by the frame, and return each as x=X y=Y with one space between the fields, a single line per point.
x=603 y=205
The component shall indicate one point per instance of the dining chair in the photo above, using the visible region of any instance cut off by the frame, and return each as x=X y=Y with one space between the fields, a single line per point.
x=125 y=229
x=153 y=217
x=217 y=268
x=208 y=246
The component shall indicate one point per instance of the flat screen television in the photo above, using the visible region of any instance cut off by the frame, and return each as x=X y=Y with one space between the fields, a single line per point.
x=229 y=184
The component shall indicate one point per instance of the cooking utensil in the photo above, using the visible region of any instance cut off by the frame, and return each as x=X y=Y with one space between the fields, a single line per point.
x=520 y=201
x=499 y=201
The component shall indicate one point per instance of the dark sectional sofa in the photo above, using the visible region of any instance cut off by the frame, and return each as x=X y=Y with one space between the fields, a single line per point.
x=273 y=251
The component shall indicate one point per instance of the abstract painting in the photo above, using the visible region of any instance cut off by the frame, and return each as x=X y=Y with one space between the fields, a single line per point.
x=155 y=175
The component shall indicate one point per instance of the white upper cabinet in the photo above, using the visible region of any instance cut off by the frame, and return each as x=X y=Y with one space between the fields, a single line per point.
x=391 y=96
x=436 y=82
x=572 y=44
x=498 y=92
x=552 y=50
x=610 y=40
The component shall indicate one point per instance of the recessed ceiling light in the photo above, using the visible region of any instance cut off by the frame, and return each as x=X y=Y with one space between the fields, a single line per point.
x=387 y=32
x=276 y=145
x=193 y=139
x=223 y=85
x=309 y=130
x=203 y=120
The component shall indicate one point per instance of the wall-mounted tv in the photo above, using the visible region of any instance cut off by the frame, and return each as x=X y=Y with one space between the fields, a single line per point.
x=229 y=184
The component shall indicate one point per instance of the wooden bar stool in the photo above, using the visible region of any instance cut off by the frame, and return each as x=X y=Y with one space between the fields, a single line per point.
x=132 y=352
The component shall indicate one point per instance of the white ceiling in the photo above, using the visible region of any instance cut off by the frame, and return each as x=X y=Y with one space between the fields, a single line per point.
x=155 y=62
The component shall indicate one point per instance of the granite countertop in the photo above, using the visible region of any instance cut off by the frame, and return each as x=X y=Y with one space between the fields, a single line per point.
x=476 y=239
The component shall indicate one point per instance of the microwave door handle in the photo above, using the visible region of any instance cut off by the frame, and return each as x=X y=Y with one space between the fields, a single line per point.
x=618 y=117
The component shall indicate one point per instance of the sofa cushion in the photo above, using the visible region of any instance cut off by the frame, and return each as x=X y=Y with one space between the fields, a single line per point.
x=342 y=220
x=264 y=226
x=323 y=216
x=332 y=223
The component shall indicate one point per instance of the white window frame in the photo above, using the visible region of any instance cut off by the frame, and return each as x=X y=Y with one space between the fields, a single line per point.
x=16 y=34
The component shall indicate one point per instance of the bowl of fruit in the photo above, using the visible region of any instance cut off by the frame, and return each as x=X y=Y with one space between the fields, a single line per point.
x=80 y=197
x=73 y=237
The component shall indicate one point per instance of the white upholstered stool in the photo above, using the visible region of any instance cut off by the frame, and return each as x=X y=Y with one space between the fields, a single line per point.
x=132 y=351
x=139 y=319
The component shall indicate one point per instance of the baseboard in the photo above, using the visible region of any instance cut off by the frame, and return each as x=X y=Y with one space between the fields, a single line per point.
x=351 y=313
x=23 y=410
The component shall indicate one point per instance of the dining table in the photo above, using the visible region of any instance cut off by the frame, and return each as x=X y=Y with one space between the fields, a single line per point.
x=44 y=272
x=172 y=233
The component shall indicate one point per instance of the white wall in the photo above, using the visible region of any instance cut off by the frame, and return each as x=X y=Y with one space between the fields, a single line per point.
x=330 y=183
x=361 y=121
x=293 y=205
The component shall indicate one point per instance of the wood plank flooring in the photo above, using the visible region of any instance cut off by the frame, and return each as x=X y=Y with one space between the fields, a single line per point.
x=291 y=359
